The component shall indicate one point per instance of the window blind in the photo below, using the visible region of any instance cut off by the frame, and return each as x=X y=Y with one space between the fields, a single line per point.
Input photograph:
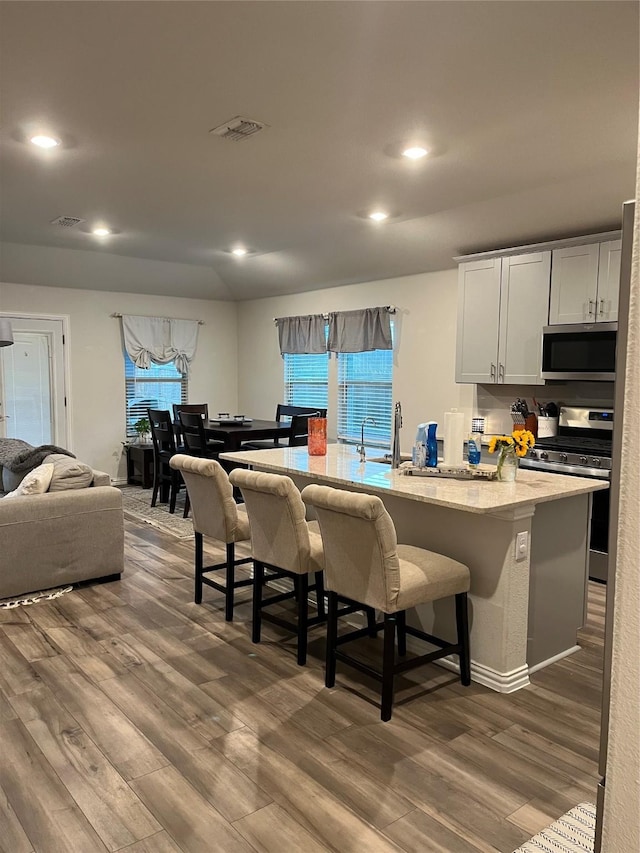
x=306 y=379
x=156 y=388
x=365 y=385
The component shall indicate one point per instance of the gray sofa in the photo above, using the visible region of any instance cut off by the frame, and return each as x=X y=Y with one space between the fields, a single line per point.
x=60 y=537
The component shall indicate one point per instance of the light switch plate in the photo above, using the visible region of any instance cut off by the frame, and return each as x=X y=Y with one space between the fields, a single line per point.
x=522 y=546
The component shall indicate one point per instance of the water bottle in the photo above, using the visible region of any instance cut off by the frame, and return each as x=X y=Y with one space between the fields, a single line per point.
x=432 y=445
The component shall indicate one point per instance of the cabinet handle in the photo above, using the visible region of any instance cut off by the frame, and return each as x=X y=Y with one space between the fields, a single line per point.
x=602 y=307
x=493 y=371
x=501 y=373
x=592 y=307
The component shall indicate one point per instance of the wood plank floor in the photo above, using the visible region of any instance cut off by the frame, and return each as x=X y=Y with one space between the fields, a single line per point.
x=134 y=720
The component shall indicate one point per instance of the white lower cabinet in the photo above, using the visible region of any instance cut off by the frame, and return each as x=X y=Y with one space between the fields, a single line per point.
x=503 y=304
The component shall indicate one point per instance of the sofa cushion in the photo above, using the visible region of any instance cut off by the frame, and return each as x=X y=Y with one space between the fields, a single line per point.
x=11 y=480
x=68 y=473
x=36 y=482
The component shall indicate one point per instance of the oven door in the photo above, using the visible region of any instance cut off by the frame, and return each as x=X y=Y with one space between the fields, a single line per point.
x=580 y=352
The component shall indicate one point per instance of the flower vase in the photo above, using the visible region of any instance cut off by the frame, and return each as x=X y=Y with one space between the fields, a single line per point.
x=317 y=441
x=507 y=464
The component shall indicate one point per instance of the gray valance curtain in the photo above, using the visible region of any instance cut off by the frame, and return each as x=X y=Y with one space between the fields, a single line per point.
x=360 y=331
x=304 y=334
x=160 y=340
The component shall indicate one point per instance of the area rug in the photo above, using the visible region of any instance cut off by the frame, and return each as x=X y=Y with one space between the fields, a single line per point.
x=574 y=832
x=136 y=503
x=34 y=597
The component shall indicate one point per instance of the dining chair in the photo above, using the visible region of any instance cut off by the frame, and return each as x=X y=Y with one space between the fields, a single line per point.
x=195 y=437
x=216 y=516
x=299 y=428
x=164 y=448
x=194 y=408
x=364 y=563
x=283 y=545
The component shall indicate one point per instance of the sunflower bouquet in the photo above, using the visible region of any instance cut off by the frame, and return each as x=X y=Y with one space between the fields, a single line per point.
x=511 y=447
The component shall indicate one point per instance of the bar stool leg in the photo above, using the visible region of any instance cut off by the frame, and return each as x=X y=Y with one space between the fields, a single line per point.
x=303 y=617
x=402 y=633
x=258 y=583
x=228 y=596
x=199 y=566
x=332 y=637
x=320 y=594
x=462 y=623
x=371 y=622
x=388 y=662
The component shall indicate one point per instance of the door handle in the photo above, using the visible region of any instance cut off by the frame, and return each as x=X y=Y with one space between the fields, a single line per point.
x=501 y=373
x=592 y=307
x=492 y=372
x=602 y=307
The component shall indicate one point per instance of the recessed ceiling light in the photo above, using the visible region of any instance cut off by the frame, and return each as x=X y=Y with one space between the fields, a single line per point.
x=239 y=252
x=101 y=232
x=378 y=215
x=415 y=153
x=44 y=141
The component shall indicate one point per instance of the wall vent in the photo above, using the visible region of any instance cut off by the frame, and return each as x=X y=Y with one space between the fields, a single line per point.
x=238 y=128
x=67 y=221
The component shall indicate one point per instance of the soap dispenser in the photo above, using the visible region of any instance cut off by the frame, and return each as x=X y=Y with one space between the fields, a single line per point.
x=419 y=455
x=432 y=445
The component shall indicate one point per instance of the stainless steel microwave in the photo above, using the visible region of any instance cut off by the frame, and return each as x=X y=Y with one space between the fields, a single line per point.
x=580 y=351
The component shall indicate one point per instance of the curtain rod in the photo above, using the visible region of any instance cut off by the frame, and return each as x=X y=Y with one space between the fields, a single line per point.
x=199 y=322
x=390 y=308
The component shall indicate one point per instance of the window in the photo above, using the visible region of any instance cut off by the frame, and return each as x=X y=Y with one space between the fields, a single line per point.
x=306 y=379
x=159 y=387
x=365 y=390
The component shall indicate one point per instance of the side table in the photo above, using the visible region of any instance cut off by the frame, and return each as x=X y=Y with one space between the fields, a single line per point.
x=140 y=464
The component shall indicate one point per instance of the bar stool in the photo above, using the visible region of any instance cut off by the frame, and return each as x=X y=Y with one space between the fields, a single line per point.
x=215 y=515
x=364 y=563
x=283 y=545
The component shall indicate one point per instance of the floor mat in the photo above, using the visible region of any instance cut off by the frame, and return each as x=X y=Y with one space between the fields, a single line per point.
x=574 y=832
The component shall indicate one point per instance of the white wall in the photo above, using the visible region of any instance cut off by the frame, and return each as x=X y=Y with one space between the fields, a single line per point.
x=425 y=323
x=96 y=398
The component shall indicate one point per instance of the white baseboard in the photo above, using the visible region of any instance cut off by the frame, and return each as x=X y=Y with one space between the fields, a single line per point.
x=553 y=659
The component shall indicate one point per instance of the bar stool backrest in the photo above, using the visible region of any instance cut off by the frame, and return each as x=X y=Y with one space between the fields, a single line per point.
x=213 y=508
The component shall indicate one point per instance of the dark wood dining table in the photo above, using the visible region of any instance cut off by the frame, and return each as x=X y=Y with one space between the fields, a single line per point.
x=234 y=434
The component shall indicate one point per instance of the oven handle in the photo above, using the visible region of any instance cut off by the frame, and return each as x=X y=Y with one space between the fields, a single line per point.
x=564 y=468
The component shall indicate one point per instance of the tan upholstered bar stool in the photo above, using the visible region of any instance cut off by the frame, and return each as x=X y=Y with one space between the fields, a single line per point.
x=284 y=544
x=215 y=515
x=364 y=563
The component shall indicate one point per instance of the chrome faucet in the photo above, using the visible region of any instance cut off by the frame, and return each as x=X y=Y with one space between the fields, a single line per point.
x=395 y=447
x=360 y=447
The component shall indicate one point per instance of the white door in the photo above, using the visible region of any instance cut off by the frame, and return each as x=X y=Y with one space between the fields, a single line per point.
x=32 y=383
x=478 y=317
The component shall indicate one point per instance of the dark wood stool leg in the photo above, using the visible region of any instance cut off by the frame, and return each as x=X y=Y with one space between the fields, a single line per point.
x=332 y=636
x=303 y=617
x=320 y=594
x=187 y=505
x=388 y=661
x=199 y=564
x=402 y=632
x=371 y=621
x=462 y=623
x=231 y=579
x=258 y=583
x=174 y=491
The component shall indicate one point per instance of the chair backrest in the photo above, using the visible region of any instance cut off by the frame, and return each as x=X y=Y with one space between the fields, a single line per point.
x=194 y=408
x=284 y=411
x=162 y=433
x=213 y=509
x=279 y=531
x=299 y=435
x=195 y=438
x=360 y=545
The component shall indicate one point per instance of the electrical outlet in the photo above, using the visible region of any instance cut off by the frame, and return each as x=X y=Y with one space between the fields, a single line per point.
x=522 y=546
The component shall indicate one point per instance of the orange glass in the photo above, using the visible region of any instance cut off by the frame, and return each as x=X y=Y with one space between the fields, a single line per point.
x=317 y=442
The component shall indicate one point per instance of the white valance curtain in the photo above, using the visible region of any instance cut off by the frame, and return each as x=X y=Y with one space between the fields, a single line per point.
x=160 y=340
x=304 y=334
x=360 y=331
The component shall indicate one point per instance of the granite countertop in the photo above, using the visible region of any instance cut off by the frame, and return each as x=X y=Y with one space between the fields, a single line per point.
x=341 y=466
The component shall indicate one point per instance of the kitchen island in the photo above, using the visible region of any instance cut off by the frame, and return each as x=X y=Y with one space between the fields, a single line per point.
x=526 y=544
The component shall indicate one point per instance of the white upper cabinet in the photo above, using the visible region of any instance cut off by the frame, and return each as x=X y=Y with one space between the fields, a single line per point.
x=503 y=304
x=584 y=283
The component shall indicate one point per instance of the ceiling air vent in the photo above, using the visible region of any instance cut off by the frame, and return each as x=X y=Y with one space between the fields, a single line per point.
x=238 y=128
x=67 y=221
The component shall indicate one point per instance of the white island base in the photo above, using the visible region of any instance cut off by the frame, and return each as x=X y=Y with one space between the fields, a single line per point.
x=526 y=545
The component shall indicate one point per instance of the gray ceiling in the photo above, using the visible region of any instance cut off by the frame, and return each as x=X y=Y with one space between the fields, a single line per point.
x=531 y=109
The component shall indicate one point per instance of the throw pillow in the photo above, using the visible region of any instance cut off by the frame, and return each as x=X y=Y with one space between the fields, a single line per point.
x=68 y=473
x=36 y=482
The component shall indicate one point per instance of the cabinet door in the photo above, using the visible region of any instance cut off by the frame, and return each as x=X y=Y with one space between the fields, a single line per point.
x=574 y=284
x=608 y=281
x=524 y=305
x=478 y=315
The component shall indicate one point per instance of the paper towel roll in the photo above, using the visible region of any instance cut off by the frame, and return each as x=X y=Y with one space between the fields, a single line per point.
x=453 y=438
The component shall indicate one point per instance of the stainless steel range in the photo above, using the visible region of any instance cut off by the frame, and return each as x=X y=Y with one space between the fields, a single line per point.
x=582 y=448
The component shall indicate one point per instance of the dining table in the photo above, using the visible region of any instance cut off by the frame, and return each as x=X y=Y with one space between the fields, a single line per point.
x=234 y=432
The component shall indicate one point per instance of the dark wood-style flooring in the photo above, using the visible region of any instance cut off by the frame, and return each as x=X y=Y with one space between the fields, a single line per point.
x=134 y=720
